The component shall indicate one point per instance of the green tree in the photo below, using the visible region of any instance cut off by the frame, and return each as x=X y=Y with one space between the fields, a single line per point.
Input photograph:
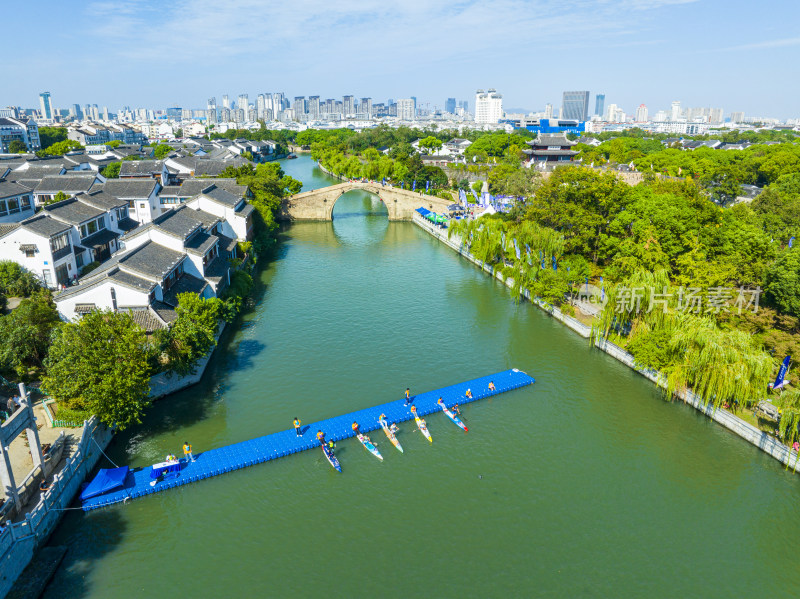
x=112 y=170
x=62 y=147
x=51 y=135
x=161 y=151
x=114 y=143
x=57 y=198
x=430 y=143
x=25 y=333
x=193 y=334
x=100 y=364
x=16 y=281
x=783 y=281
x=17 y=147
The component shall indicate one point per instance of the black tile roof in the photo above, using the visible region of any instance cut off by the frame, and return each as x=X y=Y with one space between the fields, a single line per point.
x=151 y=260
x=223 y=197
x=200 y=243
x=72 y=211
x=130 y=189
x=186 y=284
x=127 y=224
x=165 y=311
x=140 y=167
x=99 y=198
x=70 y=183
x=148 y=319
x=9 y=189
x=99 y=239
x=43 y=225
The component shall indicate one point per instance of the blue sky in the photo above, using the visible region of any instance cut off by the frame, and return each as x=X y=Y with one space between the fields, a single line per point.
x=725 y=53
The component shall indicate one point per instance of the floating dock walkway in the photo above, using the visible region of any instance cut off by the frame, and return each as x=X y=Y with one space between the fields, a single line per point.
x=249 y=453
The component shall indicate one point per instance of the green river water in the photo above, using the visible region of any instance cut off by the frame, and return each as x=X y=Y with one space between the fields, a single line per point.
x=586 y=484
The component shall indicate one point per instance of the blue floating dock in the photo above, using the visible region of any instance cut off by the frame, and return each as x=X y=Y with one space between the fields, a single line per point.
x=263 y=449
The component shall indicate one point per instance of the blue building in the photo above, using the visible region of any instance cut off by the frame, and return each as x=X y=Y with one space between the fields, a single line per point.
x=548 y=125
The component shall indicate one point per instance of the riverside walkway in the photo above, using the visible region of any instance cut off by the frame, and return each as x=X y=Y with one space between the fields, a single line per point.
x=249 y=453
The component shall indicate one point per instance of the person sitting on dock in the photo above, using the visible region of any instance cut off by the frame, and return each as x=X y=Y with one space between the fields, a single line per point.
x=491 y=386
x=170 y=458
x=297 y=426
x=408 y=396
x=469 y=394
x=441 y=403
x=44 y=487
x=321 y=437
x=382 y=420
x=187 y=452
x=355 y=427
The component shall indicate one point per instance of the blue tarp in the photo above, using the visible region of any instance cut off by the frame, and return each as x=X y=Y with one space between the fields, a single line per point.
x=107 y=479
x=423 y=211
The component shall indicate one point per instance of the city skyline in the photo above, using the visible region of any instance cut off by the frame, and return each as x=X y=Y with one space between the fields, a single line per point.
x=609 y=49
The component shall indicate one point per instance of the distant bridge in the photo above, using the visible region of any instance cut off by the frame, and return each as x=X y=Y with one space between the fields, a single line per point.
x=318 y=204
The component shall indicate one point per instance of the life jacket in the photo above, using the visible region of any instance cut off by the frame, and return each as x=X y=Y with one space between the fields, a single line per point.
x=187 y=448
x=355 y=426
x=297 y=424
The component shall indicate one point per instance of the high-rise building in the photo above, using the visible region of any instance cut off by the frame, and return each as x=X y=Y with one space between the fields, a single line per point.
x=365 y=106
x=450 y=105
x=261 y=101
x=105 y=114
x=226 y=103
x=405 y=109
x=599 y=104
x=548 y=111
x=76 y=112
x=46 y=106
x=174 y=113
x=211 y=111
x=641 y=114
x=464 y=104
x=488 y=106
x=575 y=105
x=715 y=115
x=737 y=117
x=313 y=108
x=243 y=103
x=675 y=111
x=299 y=107
x=347 y=105
x=614 y=114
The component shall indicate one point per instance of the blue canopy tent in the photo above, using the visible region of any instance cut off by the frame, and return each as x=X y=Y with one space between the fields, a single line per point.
x=106 y=480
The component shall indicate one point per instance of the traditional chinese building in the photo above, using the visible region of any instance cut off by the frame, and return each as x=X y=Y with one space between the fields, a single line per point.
x=548 y=147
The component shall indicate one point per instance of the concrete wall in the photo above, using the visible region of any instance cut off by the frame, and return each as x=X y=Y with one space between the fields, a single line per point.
x=747 y=431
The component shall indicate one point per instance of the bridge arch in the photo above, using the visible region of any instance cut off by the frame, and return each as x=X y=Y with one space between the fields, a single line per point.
x=318 y=204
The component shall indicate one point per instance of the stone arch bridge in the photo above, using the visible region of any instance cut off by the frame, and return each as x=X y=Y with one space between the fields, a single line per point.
x=318 y=204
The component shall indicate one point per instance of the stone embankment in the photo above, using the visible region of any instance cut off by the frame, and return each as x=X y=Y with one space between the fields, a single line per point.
x=747 y=431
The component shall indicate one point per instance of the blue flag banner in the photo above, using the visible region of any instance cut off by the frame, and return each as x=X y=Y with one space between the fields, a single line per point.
x=383 y=182
x=516 y=248
x=402 y=185
x=414 y=187
x=587 y=284
x=602 y=290
x=475 y=195
x=462 y=197
x=791 y=242
x=427 y=186
x=780 y=380
x=555 y=266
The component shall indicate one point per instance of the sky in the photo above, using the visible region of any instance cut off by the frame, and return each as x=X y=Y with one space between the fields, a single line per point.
x=731 y=54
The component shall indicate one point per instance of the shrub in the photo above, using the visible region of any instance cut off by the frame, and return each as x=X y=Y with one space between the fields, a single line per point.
x=16 y=280
x=89 y=268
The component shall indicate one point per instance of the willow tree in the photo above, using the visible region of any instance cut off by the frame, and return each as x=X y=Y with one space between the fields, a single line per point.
x=789 y=407
x=644 y=298
x=720 y=366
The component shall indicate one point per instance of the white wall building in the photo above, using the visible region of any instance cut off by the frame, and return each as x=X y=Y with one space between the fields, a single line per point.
x=488 y=107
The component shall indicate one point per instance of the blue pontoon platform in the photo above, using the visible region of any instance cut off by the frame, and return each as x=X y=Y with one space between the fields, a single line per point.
x=248 y=453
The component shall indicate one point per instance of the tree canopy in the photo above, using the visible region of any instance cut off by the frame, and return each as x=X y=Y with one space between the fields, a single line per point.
x=100 y=365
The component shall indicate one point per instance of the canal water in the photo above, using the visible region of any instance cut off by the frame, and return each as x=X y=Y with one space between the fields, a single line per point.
x=585 y=484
